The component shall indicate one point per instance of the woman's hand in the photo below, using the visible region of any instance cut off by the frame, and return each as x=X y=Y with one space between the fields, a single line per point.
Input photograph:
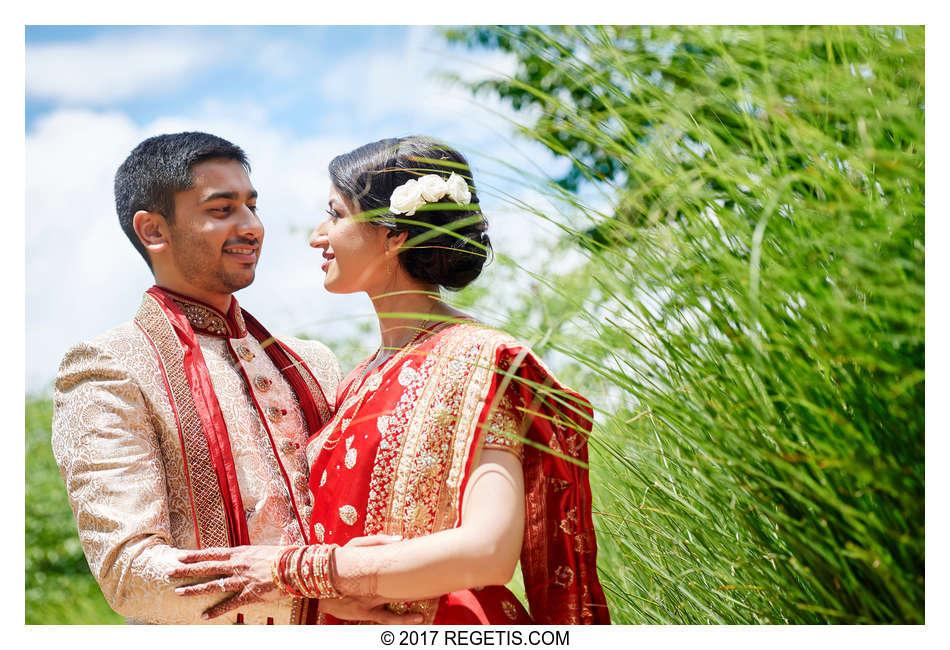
x=242 y=570
x=245 y=571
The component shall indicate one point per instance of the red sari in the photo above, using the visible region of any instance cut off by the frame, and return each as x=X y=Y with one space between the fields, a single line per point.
x=397 y=455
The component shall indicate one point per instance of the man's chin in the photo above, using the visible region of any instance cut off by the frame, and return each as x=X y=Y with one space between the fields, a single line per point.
x=236 y=282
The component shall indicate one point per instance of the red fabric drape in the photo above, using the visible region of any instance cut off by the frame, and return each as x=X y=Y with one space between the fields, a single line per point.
x=354 y=459
x=559 y=556
x=209 y=412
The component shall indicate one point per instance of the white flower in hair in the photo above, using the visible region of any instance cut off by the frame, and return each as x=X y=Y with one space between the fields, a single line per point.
x=432 y=187
x=406 y=198
x=458 y=190
x=415 y=193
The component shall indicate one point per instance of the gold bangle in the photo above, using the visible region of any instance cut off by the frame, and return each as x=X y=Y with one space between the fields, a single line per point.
x=323 y=560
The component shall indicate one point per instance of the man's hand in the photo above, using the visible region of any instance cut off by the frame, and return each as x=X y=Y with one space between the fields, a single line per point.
x=242 y=570
x=366 y=609
x=245 y=571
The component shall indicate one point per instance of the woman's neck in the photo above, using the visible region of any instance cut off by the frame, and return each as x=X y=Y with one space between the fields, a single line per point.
x=404 y=312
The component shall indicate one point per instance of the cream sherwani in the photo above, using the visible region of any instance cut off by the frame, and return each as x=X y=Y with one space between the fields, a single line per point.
x=119 y=437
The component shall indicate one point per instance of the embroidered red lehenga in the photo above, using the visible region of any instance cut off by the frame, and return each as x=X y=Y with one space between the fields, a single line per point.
x=397 y=455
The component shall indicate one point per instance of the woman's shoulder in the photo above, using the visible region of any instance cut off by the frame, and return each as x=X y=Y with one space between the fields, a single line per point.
x=475 y=333
x=491 y=343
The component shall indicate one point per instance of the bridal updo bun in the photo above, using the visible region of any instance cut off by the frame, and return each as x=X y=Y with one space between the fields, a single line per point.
x=367 y=176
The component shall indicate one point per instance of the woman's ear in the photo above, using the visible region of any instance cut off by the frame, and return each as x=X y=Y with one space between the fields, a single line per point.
x=395 y=240
x=152 y=230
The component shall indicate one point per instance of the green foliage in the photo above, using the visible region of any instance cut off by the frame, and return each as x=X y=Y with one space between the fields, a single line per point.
x=59 y=587
x=748 y=311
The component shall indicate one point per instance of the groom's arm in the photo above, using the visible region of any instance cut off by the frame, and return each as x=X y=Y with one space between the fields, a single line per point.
x=108 y=452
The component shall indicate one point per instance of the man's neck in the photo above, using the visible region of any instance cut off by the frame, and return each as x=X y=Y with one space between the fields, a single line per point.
x=221 y=302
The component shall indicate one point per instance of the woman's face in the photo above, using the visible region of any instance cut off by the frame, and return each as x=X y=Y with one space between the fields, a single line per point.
x=354 y=251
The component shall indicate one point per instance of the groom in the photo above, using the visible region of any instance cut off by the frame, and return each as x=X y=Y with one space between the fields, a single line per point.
x=185 y=427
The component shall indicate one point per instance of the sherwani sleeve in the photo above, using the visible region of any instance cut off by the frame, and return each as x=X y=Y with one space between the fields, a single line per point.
x=108 y=452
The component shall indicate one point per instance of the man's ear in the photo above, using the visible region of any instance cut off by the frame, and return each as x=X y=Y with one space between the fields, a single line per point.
x=152 y=230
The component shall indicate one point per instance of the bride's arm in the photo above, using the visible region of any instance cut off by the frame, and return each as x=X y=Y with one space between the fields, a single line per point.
x=483 y=550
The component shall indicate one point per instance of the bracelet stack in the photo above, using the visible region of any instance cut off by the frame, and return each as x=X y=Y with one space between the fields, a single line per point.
x=304 y=571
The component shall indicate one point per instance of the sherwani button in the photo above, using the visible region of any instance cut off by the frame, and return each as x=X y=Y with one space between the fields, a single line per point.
x=244 y=352
x=273 y=413
x=262 y=383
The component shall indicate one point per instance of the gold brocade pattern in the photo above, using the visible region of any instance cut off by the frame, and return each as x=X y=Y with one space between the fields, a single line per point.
x=208 y=320
x=203 y=482
x=268 y=452
x=117 y=444
x=426 y=444
x=505 y=427
x=313 y=384
x=348 y=514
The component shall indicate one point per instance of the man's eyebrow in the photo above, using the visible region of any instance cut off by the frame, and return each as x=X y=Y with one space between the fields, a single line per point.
x=232 y=196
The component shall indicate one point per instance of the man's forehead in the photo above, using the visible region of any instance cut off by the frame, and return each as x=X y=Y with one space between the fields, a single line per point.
x=220 y=175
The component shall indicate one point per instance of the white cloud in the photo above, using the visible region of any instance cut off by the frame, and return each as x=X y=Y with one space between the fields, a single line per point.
x=116 y=67
x=82 y=274
x=382 y=85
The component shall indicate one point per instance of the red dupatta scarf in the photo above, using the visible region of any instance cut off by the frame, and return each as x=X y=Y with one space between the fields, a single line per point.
x=559 y=553
x=397 y=456
x=217 y=508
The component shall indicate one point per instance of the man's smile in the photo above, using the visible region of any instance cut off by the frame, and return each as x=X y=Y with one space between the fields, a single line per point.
x=246 y=253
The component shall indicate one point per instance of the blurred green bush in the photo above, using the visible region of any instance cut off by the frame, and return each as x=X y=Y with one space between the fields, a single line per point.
x=60 y=590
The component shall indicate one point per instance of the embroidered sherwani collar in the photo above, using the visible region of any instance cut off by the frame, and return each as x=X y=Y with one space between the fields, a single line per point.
x=205 y=319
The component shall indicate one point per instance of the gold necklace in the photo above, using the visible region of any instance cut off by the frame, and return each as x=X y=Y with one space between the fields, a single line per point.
x=329 y=445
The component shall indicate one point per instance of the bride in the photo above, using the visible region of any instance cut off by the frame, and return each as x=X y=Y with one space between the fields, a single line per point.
x=453 y=452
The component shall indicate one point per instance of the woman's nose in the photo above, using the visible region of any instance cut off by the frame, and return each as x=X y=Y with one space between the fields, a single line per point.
x=318 y=237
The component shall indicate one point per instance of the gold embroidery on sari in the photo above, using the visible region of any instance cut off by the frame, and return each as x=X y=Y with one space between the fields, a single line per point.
x=569 y=523
x=504 y=430
x=348 y=514
x=563 y=576
x=425 y=447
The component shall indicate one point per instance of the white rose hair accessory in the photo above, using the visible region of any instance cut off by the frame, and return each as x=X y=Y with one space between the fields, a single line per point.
x=415 y=193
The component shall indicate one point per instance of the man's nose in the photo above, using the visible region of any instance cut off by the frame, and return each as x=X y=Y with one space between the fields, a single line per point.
x=251 y=226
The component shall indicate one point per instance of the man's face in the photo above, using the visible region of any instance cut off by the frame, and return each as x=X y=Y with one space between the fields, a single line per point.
x=215 y=235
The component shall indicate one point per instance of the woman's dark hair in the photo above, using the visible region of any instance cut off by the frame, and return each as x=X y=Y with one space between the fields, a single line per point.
x=368 y=175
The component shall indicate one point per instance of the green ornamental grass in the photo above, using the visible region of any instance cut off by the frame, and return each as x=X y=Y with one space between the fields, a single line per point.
x=746 y=205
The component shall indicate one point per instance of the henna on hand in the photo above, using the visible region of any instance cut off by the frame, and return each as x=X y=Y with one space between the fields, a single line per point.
x=252 y=593
x=220 y=585
x=360 y=575
x=243 y=570
x=368 y=609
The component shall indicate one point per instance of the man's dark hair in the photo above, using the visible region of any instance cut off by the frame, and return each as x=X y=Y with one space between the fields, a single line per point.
x=160 y=167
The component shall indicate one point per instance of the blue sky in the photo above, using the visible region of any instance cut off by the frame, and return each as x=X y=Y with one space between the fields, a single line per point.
x=292 y=97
